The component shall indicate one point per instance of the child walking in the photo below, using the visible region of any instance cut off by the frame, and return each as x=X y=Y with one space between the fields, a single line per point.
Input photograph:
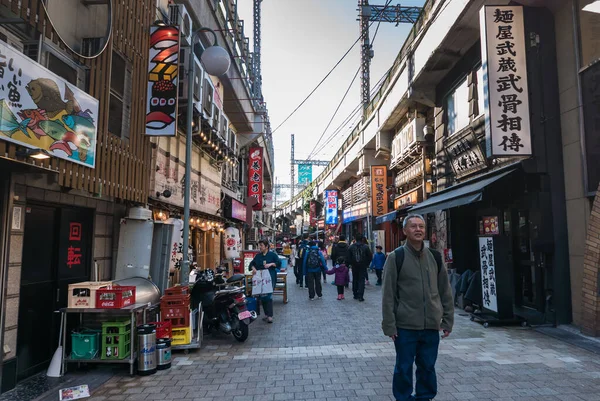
x=342 y=276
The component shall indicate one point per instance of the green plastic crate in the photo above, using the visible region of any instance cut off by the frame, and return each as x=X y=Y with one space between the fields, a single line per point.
x=115 y=346
x=119 y=327
x=84 y=344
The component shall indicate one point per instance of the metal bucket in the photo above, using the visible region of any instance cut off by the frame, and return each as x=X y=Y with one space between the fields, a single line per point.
x=163 y=350
x=147 y=357
x=145 y=290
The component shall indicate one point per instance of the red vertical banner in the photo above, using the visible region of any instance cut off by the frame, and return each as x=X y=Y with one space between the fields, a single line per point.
x=313 y=213
x=255 y=176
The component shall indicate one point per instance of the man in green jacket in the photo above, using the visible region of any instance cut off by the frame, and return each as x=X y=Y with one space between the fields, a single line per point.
x=417 y=304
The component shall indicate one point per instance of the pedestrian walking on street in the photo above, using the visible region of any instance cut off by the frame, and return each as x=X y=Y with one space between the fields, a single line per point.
x=266 y=259
x=302 y=245
x=324 y=253
x=366 y=242
x=342 y=276
x=359 y=258
x=314 y=263
x=416 y=275
x=378 y=262
x=340 y=249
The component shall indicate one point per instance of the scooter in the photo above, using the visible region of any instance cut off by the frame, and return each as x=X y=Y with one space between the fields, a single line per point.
x=223 y=303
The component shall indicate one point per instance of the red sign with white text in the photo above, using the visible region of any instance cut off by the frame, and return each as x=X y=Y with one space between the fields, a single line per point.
x=255 y=176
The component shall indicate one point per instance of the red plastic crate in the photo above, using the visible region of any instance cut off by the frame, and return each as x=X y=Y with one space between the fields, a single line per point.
x=115 y=298
x=175 y=300
x=177 y=290
x=178 y=322
x=179 y=316
x=163 y=329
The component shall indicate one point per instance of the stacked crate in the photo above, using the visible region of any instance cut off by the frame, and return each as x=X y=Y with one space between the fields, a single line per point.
x=175 y=309
x=116 y=340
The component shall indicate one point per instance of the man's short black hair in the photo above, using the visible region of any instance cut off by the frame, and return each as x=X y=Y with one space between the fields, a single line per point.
x=265 y=242
x=358 y=237
x=378 y=247
x=342 y=237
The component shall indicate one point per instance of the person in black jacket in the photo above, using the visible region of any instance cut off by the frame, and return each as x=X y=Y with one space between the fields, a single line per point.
x=340 y=250
x=359 y=257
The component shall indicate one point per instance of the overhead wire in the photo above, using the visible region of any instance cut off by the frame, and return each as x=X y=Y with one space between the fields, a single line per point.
x=345 y=94
x=326 y=76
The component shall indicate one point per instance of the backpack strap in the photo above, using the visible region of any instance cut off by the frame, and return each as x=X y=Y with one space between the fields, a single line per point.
x=438 y=259
x=399 y=253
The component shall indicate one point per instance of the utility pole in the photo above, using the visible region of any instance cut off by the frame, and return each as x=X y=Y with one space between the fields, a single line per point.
x=368 y=14
x=292 y=170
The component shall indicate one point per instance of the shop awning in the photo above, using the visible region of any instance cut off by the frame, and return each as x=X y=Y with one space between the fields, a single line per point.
x=386 y=217
x=468 y=192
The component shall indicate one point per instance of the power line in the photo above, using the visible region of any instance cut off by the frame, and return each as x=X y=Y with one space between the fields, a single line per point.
x=323 y=80
x=343 y=98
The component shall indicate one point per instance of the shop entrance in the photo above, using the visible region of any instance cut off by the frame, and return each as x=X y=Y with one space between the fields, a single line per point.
x=56 y=253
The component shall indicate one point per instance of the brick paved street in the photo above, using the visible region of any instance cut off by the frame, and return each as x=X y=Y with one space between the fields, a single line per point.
x=334 y=350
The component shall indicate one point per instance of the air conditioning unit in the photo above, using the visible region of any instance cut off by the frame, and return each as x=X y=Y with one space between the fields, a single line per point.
x=253 y=235
x=178 y=15
x=224 y=128
x=232 y=141
x=383 y=142
x=184 y=55
x=209 y=109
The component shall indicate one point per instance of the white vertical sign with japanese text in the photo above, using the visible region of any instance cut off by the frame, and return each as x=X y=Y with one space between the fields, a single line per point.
x=504 y=64
x=488 y=273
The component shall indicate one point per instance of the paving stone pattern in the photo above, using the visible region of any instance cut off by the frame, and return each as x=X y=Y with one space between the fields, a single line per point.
x=334 y=350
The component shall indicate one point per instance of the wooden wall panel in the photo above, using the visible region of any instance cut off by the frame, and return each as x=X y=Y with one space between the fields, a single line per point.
x=122 y=167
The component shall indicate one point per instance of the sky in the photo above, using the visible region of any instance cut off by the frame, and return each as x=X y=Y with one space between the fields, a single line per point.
x=301 y=41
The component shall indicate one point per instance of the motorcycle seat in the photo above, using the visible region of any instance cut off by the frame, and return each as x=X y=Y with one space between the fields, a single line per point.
x=228 y=291
x=236 y=277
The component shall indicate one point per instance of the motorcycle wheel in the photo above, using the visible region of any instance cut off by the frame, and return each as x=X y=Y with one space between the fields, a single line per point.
x=241 y=332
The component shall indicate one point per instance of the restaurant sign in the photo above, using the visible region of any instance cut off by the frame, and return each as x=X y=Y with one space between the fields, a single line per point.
x=162 y=89
x=504 y=64
x=356 y=212
x=379 y=191
x=40 y=110
x=412 y=198
x=331 y=207
x=465 y=154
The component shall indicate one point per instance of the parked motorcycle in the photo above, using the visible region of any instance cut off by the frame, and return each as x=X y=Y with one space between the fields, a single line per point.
x=223 y=303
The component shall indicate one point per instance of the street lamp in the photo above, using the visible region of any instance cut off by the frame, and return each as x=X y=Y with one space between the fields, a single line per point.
x=216 y=62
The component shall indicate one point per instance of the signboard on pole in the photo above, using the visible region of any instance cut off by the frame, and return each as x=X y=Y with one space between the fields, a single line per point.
x=163 y=68
x=331 y=207
x=255 y=176
x=379 y=193
x=504 y=64
x=304 y=173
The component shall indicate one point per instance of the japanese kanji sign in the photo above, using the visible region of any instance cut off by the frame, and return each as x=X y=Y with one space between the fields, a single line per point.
x=505 y=81
x=255 y=176
x=40 y=110
x=465 y=154
x=331 y=207
x=488 y=273
x=161 y=107
x=379 y=192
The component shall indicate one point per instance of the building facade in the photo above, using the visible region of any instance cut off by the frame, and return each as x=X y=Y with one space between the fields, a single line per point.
x=518 y=169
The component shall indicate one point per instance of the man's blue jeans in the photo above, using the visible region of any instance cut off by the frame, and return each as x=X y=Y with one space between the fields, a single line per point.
x=420 y=347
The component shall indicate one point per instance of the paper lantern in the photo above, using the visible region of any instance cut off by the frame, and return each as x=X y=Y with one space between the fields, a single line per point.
x=233 y=243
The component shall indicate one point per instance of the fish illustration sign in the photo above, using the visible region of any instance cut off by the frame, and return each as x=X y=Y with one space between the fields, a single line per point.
x=40 y=110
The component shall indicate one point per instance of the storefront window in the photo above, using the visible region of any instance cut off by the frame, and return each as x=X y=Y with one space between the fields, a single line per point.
x=589 y=35
x=457 y=108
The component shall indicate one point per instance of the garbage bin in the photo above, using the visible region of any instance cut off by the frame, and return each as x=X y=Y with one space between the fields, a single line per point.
x=163 y=349
x=146 y=335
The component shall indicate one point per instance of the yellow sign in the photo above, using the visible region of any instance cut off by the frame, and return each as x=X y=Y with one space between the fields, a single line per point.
x=379 y=193
x=411 y=198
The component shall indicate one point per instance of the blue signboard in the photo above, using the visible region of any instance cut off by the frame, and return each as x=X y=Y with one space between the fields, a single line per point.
x=331 y=207
x=304 y=173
